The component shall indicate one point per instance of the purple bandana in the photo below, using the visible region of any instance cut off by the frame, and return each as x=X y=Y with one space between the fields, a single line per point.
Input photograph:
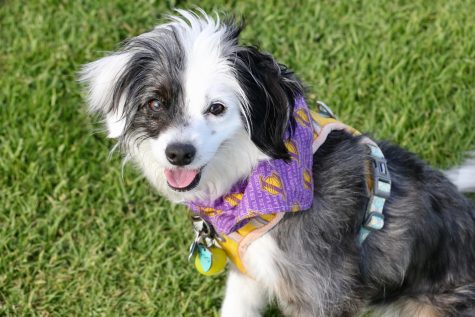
x=274 y=186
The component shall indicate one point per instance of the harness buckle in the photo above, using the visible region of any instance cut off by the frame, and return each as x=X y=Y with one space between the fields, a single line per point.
x=324 y=110
x=381 y=178
x=374 y=221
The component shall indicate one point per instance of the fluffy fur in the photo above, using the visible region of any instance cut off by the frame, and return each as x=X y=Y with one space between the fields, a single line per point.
x=420 y=264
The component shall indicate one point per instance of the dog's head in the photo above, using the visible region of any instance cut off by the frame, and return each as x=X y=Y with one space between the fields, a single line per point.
x=193 y=108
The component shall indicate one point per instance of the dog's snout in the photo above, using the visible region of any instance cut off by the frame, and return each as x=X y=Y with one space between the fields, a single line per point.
x=180 y=154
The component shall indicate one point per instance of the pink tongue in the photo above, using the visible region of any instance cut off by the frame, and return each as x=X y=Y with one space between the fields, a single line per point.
x=180 y=178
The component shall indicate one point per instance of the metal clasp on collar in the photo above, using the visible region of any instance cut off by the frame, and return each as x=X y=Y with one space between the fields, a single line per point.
x=205 y=235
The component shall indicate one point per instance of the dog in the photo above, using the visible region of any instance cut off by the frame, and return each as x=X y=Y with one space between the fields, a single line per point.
x=197 y=113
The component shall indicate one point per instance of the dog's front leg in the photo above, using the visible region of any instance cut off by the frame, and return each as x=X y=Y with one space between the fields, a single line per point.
x=244 y=296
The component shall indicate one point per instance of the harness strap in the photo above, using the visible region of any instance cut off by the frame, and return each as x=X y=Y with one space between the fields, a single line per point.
x=379 y=189
x=378 y=183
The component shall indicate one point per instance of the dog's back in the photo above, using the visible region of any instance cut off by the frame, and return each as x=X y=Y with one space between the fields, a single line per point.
x=420 y=264
x=429 y=238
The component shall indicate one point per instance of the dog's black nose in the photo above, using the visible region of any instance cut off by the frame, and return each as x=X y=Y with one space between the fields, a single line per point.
x=180 y=154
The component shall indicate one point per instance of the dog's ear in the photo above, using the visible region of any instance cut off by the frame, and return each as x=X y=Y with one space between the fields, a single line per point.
x=100 y=78
x=271 y=90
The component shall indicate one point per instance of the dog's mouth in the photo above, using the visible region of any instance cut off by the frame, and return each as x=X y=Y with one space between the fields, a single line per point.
x=181 y=179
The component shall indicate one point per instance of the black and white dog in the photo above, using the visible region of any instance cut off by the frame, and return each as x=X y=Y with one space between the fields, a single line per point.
x=197 y=112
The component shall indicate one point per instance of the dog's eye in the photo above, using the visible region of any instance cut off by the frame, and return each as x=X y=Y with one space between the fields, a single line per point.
x=216 y=109
x=154 y=105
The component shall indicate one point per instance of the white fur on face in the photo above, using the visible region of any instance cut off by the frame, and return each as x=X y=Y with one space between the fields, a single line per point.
x=224 y=169
x=224 y=148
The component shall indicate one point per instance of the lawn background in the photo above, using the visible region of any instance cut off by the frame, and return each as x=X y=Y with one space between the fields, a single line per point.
x=78 y=239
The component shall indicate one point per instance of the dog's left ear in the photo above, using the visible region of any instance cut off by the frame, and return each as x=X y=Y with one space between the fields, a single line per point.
x=99 y=79
x=271 y=90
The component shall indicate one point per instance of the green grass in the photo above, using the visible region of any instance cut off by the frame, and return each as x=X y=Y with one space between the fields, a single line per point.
x=77 y=239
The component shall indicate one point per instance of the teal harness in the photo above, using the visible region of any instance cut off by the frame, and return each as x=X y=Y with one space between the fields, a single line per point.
x=378 y=188
x=377 y=195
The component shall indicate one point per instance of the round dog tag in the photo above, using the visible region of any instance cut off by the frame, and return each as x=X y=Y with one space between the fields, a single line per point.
x=210 y=261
